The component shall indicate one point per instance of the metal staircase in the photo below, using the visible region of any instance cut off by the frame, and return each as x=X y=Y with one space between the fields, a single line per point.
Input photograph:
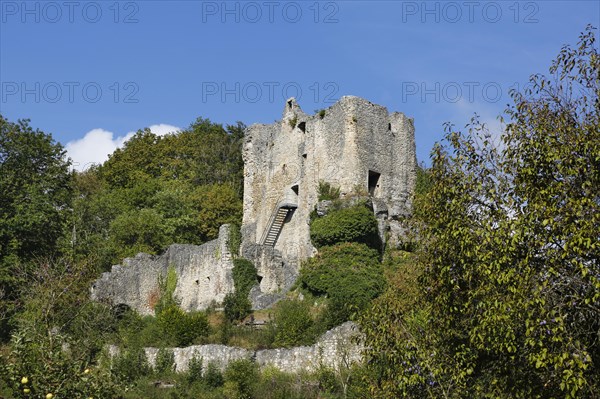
x=278 y=218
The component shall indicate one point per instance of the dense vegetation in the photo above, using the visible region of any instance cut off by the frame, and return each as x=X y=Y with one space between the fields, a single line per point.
x=349 y=224
x=498 y=298
x=237 y=305
x=349 y=273
x=67 y=227
x=507 y=303
x=156 y=191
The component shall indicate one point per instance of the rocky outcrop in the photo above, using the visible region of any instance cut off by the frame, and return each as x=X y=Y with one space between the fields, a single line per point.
x=203 y=276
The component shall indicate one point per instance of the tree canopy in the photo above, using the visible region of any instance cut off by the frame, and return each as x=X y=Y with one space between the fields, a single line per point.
x=159 y=190
x=35 y=197
x=509 y=254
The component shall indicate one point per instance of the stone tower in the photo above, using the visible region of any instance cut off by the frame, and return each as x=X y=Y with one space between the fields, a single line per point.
x=354 y=145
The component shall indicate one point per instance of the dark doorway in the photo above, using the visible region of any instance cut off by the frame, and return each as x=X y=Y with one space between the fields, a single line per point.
x=373 y=182
x=302 y=126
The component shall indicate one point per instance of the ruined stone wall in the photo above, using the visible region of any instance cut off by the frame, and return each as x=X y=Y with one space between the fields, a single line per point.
x=203 y=276
x=342 y=145
x=355 y=145
x=331 y=348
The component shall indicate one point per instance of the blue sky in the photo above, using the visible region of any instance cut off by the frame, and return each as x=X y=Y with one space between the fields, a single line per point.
x=92 y=72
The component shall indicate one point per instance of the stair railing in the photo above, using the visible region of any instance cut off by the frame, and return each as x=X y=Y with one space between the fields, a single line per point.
x=287 y=200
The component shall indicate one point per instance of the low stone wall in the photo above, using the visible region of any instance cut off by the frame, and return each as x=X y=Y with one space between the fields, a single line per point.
x=203 y=276
x=332 y=348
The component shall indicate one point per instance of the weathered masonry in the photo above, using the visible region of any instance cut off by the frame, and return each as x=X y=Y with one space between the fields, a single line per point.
x=354 y=145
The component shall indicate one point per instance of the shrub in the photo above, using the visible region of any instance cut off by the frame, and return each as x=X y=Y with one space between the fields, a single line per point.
x=213 y=376
x=241 y=378
x=327 y=380
x=195 y=368
x=181 y=328
x=276 y=384
x=236 y=306
x=353 y=224
x=244 y=276
x=235 y=239
x=130 y=365
x=328 y=192
x=165 y=361
x=166 y=287
x=293 y=322
x=349 y=273
x=293 y=122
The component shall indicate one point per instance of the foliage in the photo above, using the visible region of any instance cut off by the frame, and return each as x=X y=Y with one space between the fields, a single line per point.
x=165 y=361
x=130 y=365
x=235 y=239
x=177 y=327
x=156 y=191
x=35 y=197
x=422 y=188
x=292 y=122
x=236 y=306
x=166 y=289
x=241 y=378
x=275 y=384
x=244 y=276
x=38 y=368
x=180 y=328
x=328 y=192
x=218 y=204
x=352 y=224
x=204 y=153
x=195 y=369
x=349 y=273
x=136 y=231
x=509 y=255
x=58 y=337
x=213 y=376
x=294 y=322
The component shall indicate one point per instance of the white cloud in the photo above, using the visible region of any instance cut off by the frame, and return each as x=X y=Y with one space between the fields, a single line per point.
x=97 y=144
x=161 y=129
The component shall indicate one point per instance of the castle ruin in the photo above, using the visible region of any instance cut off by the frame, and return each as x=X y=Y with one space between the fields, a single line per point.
x=354 y=145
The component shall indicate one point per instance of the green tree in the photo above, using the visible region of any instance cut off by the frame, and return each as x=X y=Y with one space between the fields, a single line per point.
x=509 y=254
x=294 y=322
x=156 y=191
x=350 y=274
x=241 y=379
x=353 y=224
x=58 y=337
x=35 y=197
x=236 y=306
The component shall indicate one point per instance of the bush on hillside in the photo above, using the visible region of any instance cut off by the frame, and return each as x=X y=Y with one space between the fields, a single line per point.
x=350 y=274
x=353 y=224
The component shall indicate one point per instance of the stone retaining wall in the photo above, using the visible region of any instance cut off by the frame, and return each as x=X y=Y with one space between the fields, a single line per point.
x=335 y=347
